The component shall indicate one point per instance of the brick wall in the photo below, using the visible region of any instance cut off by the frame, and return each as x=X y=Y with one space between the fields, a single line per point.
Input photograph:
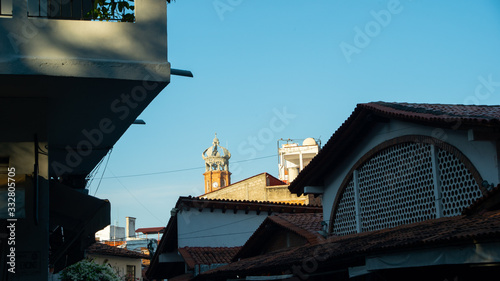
x=256 y=189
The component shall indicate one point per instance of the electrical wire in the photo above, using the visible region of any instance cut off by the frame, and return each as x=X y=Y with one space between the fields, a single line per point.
x=219 y=226
x=214 y=235
x=91 y=176
x=105 y=166
x=180 y=170
x=136 y=199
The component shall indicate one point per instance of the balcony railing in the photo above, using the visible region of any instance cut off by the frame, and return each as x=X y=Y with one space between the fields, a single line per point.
x=99 y=10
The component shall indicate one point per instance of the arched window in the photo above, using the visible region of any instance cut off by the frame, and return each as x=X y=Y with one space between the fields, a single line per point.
x=404 y=180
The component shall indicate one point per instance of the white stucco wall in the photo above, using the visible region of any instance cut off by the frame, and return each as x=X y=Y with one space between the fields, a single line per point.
x=119 y=264
x=482 y=154
x=216 y=229
x=111 y=232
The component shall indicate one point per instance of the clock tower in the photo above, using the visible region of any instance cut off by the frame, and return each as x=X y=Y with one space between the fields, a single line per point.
x=217 y=173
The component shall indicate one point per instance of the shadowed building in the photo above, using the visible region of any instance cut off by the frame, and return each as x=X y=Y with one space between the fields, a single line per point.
x=70 y=89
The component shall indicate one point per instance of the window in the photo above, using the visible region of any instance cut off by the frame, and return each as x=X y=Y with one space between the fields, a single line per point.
x=104 y=10
x=6 y=7
x=404 y=183
x=130 y=273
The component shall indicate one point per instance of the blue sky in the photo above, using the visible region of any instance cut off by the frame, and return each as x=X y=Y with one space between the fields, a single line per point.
x=265 y=70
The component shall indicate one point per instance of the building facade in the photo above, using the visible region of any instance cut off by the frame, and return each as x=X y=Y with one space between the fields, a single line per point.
x=204 y=226
x=262 y=187
x=410 y=192
x=126 y=263
x=70 y=89
x=293 y=157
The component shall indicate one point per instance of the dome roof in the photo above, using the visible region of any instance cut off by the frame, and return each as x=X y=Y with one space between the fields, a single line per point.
x=216 y=157
x=309 y=141
x=216 y=151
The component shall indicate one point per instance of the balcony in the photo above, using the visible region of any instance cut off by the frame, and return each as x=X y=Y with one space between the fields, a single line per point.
x=83 y=80
x=69 y=38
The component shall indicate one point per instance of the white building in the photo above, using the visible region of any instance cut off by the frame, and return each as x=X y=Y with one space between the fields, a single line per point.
x=199 y=225
x=111 y=233
x=294 y=157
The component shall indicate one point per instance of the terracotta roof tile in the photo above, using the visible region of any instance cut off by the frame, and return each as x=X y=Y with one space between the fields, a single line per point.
x=434 y=233
x=308 y=222
x=437 y=112
x=245 y=205
x=207 y=255
x=306 y=225
x=169 y=240
x=151 y=230
x=103 y=249
x=352 y=131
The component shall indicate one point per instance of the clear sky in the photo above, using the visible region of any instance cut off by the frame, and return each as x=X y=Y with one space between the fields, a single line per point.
x=265 y=70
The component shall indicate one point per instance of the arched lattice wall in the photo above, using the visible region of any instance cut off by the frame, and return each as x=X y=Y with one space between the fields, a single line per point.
x=404 y=180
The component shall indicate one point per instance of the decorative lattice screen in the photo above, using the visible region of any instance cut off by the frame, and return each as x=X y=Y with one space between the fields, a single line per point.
x=459 y=188
x=345 y=221
x=396 y=186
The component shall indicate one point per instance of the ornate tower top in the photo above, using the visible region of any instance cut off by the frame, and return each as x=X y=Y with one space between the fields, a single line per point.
x=217 y=173
x=214 y=160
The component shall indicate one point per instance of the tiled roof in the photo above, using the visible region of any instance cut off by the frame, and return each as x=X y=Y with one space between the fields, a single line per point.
x=306 y=225
x=207 y=255
x=478 y=114
x=359 y=124
x=302 y=224
x=459 y=230
x=244 y=205
x=274 y=181
x=106 y=250
x=151 y=230
x=169 y=243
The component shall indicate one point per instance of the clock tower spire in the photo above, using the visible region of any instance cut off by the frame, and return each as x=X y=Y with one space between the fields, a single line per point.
x=217 y=173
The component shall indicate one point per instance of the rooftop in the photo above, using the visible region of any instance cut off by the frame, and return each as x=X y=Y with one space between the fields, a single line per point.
x=358 y=125
x=458 y=230
x=244 y=205
x=151 y=230
x=305 y=225
x=207 y=255
x=106 y=250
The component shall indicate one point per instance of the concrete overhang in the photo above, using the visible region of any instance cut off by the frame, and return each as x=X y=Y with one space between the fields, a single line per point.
x=84 y=81
x=314 y=189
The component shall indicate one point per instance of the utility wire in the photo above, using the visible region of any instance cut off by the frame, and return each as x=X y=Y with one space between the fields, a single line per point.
x=219 y=226
x=105 y=166
x=136 y=199
x=214 y=235
x=180 y=170
x=93 y=174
